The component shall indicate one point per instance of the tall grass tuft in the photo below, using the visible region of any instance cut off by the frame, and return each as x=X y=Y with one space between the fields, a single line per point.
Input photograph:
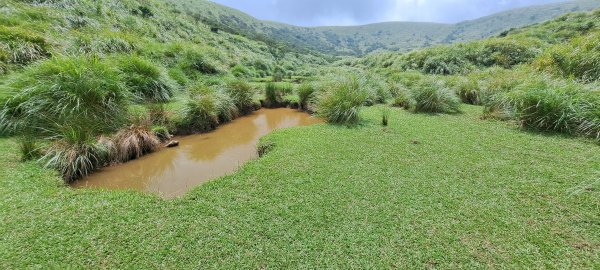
x=242 y=94
x=200 y=115
x=84 y=93
x=146 y=80
x=75 y=153
x=341 y=102
x=134 y=142
x=274 y=94
x=432 y=96
x=306 y=95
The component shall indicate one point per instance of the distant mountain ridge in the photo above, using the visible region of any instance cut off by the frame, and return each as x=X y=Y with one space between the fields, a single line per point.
x=393 y=36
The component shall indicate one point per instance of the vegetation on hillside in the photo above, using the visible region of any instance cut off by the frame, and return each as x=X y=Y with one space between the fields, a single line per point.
x=394 y=36
x=544 y=76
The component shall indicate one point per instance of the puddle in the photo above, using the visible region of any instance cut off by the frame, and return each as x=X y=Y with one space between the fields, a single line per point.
x=199 y=158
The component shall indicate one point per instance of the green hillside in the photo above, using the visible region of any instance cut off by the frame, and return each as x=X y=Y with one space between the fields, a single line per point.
x=32 y=30
x=395 y=36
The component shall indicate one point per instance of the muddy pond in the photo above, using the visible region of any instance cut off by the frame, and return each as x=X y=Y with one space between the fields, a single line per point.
x=171 y=172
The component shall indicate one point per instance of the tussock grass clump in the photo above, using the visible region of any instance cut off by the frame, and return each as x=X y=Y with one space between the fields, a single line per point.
x=196 y=60
x=579 y=59
x=146 y=80
x=341 y=101
x=200 y=115
x=134 y=142
x=242 y=95
x=432 y=96
x=19 y=46
x=29 y=149
x=81 y=92
x=402 y=97
x=75 y=153
x=468 y=90
x=306 y=95
x=275 y=94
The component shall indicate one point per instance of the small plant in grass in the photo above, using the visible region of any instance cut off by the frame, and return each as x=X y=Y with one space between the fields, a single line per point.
x=264 y=147
x=341 y=103
x=385 y=116
x=29 y=148
x=432 y=96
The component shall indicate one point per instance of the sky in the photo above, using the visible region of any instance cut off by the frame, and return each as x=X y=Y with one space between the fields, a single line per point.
x=358 y=12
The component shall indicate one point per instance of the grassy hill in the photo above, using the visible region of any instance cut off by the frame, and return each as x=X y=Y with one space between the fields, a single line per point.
x=396 y=36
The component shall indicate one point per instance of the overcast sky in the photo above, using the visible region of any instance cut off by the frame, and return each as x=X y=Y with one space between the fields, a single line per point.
x=356 y=12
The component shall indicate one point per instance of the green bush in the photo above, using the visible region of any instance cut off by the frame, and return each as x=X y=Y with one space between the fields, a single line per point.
x=468 y=90
x=195 y=60
x=341 y=101
x=431 y=95
x=588 y=114
x=146 y=80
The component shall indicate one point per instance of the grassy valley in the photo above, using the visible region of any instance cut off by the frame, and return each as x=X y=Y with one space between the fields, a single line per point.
x=395 y=36
x=475 y=154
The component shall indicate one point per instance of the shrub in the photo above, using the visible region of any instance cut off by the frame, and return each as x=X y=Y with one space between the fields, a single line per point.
x=242 y=94
x=432 y=96
x=146 y=80
x=341 y=102
x=306 y=93
x=134 y=142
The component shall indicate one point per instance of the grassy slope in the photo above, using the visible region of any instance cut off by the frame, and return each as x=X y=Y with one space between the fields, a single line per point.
x=401 y=36
x=472 y=193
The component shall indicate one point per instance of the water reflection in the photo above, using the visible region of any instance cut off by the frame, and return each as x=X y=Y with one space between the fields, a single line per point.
x=199 y=158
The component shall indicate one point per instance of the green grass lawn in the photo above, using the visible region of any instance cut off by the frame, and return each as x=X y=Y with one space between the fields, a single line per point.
x=447 y=191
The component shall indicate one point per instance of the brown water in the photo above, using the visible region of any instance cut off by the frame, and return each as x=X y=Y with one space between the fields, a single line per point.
x=199 y=158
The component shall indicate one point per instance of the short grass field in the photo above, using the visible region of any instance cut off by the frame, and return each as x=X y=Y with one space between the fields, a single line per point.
x=429 y=191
